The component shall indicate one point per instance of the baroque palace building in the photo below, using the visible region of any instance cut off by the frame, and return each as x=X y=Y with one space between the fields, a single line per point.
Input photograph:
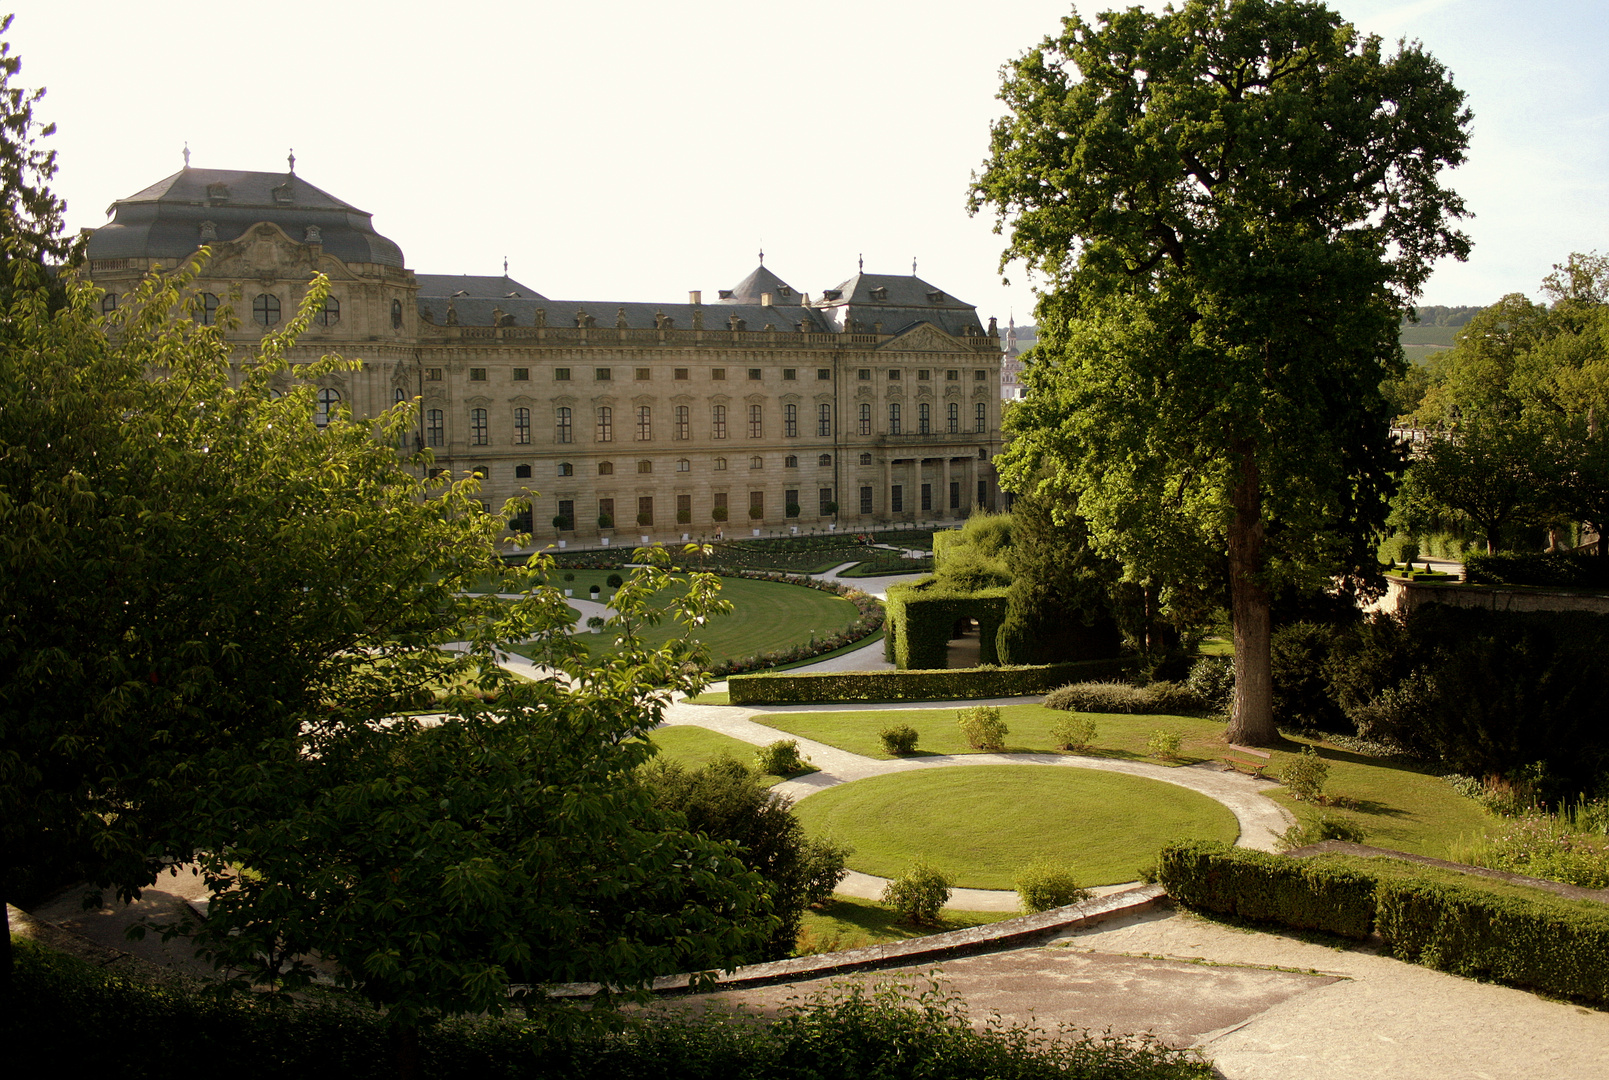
x=877 y=402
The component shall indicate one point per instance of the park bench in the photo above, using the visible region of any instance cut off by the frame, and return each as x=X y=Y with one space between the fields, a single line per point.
x=1245 y=759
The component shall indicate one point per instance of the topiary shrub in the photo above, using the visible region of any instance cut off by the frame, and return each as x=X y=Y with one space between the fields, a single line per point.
x=1305 y=775
x=918 y=894
x=614 y=581
x=982 y=727
x=1164 y=743
x=781 y=758
x=1044 y=884
x=899 y=739
x=1074 y=733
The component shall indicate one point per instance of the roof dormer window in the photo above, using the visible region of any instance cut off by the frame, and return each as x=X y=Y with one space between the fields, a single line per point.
x=880 y=294
x=832 y=294
x=218 y=191
x=725 y=294
x=935 y=297
x=282 y=193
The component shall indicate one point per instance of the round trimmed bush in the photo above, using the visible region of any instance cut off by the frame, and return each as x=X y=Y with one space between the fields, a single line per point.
x=1044 y=884
x=919 y=893
x=899 y=739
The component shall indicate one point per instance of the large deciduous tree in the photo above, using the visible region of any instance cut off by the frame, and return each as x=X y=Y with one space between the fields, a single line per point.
x=1232 y=204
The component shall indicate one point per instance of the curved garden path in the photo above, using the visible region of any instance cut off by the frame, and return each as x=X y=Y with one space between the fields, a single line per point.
x=1260 y=819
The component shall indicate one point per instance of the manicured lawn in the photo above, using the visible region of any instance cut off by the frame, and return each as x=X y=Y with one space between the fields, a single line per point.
x=696 y=747
x=1116 y=735
x=981 y=824
x=767 y=616
x=1396 y=869
x=849 y=923
x=1396 y=803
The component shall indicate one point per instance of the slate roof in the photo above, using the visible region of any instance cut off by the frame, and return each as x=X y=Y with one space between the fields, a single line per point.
x=751 y=288
x=477 y=311
x=484 y=287
x=164 y=220
x=899 y=302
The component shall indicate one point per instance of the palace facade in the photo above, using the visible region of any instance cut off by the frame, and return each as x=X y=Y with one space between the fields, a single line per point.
x=876 y=402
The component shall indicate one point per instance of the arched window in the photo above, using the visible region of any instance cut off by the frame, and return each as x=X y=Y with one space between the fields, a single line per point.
x=265 y=309
x=720 y=464
x=683 y=465
x=396 y=314
x=924 y=418
x=398 y=396
x=606 y=424
x=790 y=421
x=563 y=422
x=645 y=423
x=108 y=303
x=566 y=469
x=824 y=460
x=477 y=427
x=645 y=466
x=791 y=461
x=327 y=401
x=865 y=419
x=718 y=429
x=435 y=429
x=606 y=468
x=824 y=420
x=953 y=419
x=756 y=462
x=522 y=472
x=207 y=308
x=330 y=314
x=522 y=426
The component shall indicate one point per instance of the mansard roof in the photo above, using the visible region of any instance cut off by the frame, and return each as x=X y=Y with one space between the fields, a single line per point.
x=477 y=311
x=756 y=285
x=479 y=286
x=165 y=221
x=899 y=302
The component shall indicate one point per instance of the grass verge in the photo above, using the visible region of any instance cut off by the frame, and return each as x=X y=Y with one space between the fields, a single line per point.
x=850 y=923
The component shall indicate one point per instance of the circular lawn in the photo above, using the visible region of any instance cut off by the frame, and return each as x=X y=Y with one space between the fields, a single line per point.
x=980 y=824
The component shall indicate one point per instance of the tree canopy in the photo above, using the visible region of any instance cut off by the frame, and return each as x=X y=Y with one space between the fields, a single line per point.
x=1232 y=205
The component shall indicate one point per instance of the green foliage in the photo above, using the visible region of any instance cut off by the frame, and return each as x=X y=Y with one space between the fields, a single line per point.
x=1221 y=310
x=782 y=758
x=1044 y=884
x=1541 y=845
x=976 y=556
x=982 y=727
x=1538 y=568
x=1495 y=472
x=1212 y=681
x=918 y=893
x=1121 y=697
x=1301 y=690
x=1074 y=733
x=1059 y=605
x=922 y=617
x=1305 y=774
x=941 y=685
x=1164 y=743
x=824 y=865
x=1268 y=888
x=899 y=739
x=614 y=581
x=1323 y=828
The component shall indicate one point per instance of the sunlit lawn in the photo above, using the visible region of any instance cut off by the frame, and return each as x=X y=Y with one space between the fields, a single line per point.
x=849 y=923
x=1116 y=735
x=695 y=747
x=981 y=824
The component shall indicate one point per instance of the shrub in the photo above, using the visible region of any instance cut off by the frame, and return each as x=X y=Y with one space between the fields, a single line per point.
x=982 y=727
x=1543 y=846
x=1074 y=733
x=899 y=739
x=1099 y=697
x=1316 y=832
x=684 y=517
x=562 y=523
x=756 y=513
x=919 y=893
x=569 y=575
x=824 y=866
x=718 y=514
x=605 y=521
x=1407 y=551
x=1212 y=680
x=1043 y=884
x=595 y=623
x=1172 y=698
x=1301 y=693
x=614 y=581
x=1272 y=888
x=1305 y=775
x=943 y=684
x=791 y=510
x=1164 y=743
x=781 y=758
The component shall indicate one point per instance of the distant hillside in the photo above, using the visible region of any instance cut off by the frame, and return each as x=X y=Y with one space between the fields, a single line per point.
x=1436 y=329
x=1436 y=315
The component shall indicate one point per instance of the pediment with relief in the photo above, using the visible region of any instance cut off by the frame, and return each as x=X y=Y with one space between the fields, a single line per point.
x=263 y=251
x=924 y=337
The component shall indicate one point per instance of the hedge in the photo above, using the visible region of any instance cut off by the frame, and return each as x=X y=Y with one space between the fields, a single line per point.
x=1540 y=569
x=941 y=684
x=922 y=615
x=1538 y=943
x=1268 y=888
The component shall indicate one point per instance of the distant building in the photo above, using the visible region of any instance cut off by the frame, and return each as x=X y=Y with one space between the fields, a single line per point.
x=1019 y=339
x=876 y=402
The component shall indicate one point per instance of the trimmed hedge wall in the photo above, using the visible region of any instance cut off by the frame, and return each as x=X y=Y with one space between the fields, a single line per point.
x=1540 y=569
x=1556 y=947
x=960 y=684
x=921 y=616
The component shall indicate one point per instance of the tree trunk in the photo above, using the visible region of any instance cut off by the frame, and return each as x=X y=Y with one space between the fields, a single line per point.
x=405 y=1050
x=6 y=959
x=1252 y=722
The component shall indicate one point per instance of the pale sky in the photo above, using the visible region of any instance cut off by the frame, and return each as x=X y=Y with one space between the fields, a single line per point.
x=635 y=150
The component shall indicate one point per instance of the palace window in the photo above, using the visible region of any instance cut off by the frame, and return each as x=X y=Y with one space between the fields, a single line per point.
x=865 y=419
x=522 y=426
x=893 y=419
x=327 y=401
x=435 y=429
x=645 y=423
x=790 y=421
x=208 y=308
x=791 y=461
x=790 y=374
x=824 y=374
x=896 y=499
x=825 y=506
x=561 y=374
x=477 y=374
x=865 y=459
x=330 y=313
x=756 y=462
x=432 y=374
x=893 y=374
x=606 y=424
x=982 y=417
x=683 y=465
x=606 y=468
x=952 y=376
x=720 y=464
x=681 y=374
x=265 y=309
x=924 y=418
x=864 y=374
x=565 y=429
x=566 y=468
x=600 y=374
x=755 y=425
x=108 y=303
x=682 y=423
x=953 y=417
x=718 y=374
x=718 y=426
x=824 y=420
x=477 y=427
x=824 y=460
x=522 y=374
x=645 y=510
x=865 y=499
x=645 y=466
x=396 y=314
x=927 y=497
x=755 y=374
x=644 y=374
x=522 y=472
x=924 y=375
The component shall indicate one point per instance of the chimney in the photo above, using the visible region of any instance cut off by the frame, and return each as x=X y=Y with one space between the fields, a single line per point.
x=765 y=299
x=695 y=297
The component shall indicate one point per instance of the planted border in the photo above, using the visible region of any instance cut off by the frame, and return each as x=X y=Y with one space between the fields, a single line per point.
x=943 y=684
